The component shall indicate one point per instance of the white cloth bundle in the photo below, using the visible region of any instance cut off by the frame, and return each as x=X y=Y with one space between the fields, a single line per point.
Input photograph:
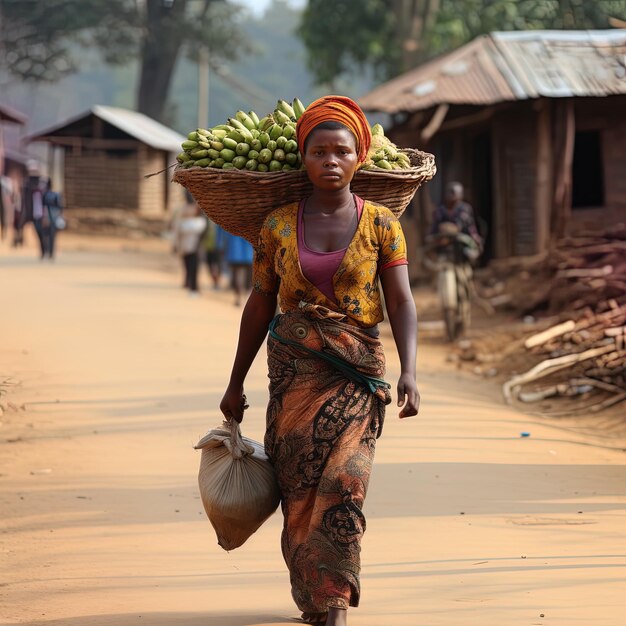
x=237 y=484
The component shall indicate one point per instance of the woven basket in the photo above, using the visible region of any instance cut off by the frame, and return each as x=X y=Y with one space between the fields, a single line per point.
x=239 y=200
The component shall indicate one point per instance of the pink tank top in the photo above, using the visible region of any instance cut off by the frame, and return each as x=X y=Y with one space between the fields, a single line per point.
x=320 y=267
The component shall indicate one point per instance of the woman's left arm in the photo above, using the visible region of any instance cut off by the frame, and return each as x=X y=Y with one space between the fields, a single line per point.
x=403 y=319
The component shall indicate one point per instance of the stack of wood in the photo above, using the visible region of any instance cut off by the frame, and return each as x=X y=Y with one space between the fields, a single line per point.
x=583 y=359
x=587 y=272
x=581 y=287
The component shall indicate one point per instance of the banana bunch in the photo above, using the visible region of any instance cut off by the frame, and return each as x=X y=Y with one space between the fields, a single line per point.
x=247 y=142
x=269 y=144
x=383 y=154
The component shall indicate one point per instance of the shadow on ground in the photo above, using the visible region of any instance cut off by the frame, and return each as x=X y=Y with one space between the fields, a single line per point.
x=218 y=618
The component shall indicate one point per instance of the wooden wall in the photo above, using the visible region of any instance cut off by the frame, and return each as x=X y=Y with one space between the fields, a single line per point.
x=606 y=115
x=101 y=179
x=153 y=191
x=514 y=179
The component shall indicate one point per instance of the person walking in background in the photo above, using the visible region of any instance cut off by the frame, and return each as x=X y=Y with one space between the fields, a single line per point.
x=32 y=197
x=239 y=256
x=47 y=217
x=7 y=205
x=188 y=229
x=212 y=252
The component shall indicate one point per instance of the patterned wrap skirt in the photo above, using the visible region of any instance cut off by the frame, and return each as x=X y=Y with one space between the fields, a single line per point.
x=322 y=426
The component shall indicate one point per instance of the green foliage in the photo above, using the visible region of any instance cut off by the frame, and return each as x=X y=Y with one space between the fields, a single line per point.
x=348 y=34
x=454 y=27
x=39 y=37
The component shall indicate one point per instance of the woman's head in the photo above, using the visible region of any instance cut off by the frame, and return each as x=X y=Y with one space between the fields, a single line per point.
x=335 y=113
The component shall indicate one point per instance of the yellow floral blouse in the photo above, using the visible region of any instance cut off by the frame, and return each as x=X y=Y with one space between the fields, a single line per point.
x=378 y=244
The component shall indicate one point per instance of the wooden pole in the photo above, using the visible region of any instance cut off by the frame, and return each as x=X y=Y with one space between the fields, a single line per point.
x=543 y=177
x=565 y=132
x=203 y=88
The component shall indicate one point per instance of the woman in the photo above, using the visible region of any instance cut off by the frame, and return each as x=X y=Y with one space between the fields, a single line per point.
x=188 y=227
x=321 y=258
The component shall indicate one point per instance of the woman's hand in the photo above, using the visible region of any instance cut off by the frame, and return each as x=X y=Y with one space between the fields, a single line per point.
x=408 y=396
x=234 y=403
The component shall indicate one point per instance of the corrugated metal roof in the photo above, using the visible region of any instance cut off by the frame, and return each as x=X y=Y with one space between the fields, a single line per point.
x=137 y=125
x=9 y=114
x=505 y=66
x=142 y=127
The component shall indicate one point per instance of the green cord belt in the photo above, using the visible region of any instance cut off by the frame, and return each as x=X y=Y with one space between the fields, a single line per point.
x=371 y=382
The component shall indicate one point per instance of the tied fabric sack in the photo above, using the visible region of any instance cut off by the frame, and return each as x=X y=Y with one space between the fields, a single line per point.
x=237 y=484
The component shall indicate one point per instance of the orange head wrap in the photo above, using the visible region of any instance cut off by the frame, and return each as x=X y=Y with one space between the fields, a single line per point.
x=336 y=109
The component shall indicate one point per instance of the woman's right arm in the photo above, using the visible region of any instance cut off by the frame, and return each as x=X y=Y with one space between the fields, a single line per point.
x=255 y=319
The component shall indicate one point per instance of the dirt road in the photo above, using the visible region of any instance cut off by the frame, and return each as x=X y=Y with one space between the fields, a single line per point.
x=112 y=374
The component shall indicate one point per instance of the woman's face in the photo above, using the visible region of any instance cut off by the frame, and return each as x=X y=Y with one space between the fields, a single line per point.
x=330 y=158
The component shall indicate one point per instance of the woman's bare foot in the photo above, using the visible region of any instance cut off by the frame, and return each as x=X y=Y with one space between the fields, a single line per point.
x=337 y=617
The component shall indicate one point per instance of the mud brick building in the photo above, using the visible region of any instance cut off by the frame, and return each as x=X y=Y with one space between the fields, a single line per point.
x=107 y=152
x=533 y=123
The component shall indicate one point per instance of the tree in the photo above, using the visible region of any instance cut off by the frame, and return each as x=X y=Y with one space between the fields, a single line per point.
x=40 y=39
x=391 y=36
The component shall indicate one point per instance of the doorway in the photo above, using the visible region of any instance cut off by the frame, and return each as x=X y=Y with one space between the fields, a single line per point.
x=482 y=200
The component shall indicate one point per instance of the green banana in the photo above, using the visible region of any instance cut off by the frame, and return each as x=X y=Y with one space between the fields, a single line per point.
x=272 y=145
x=220 y=134
x=291 y=158
x=281 y=141
x=189 y=144
x=203 y=131
x=217 y=145
x=228 y=166
x=285 y=108
x=255 y=118
x=245 y=119
x=265 y=156
x=264 y=138
x=183 y=157
x=279 y=155
x=281 y=118
x=289 y=131
x=235 y=135
x=384 y=164
x=275 y=166
x=242 y=149
x=240 y=162
x=290 y=146
x=252 y=165
x=227 y=155
x=233 y=121
x=275 y=132
x=262 y=167
x=214 y=154
x=253 y=154
x=202 y=162
x=229 y=143
x=225 y=127
x=193 y=136
x=377 y=129
x=257 y=145
x=265 y=123
x=198 y=153
x=298 y=108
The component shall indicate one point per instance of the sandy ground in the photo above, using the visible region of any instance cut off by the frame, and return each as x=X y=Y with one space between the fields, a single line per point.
x=112 y=373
